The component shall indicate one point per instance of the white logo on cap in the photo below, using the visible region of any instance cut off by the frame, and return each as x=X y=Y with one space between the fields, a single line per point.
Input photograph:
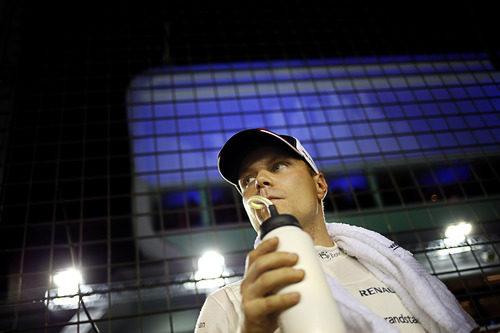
x=305 y=154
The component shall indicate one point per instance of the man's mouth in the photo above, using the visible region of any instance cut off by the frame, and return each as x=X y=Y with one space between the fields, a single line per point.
x=271 y=195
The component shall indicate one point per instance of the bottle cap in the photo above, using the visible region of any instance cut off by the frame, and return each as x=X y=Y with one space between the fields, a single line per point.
x=278 y=221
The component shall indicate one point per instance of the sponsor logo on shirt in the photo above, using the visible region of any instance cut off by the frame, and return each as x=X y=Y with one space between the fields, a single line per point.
x=394 y=246
x=325 y=255
x=375 y=290
x=402 y=319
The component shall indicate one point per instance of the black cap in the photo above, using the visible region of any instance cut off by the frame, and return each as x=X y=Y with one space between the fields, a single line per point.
x=238 y=146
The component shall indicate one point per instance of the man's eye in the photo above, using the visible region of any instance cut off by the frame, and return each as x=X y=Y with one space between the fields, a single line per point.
x=247 y=181
x=278 y=166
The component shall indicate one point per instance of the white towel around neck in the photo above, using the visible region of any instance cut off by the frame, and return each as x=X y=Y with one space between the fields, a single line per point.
x=425 y=296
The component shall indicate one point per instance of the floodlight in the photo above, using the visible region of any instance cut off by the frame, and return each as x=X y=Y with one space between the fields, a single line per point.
x=457 y=233
x=210 y=265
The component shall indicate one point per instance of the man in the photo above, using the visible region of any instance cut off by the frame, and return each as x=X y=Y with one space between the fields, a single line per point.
x=377 y=285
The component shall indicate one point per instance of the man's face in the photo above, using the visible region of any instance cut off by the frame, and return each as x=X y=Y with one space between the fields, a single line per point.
x=276 y=174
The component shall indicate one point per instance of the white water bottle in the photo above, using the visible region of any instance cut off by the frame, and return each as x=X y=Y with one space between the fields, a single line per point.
x=317 y=311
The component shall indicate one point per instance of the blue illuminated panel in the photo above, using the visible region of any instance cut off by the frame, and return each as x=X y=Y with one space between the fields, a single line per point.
x=345 y=111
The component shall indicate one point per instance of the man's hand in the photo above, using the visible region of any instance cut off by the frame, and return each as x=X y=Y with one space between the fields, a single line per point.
x=267 y=271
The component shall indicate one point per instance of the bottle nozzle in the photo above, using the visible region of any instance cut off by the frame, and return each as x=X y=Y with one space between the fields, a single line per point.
x=272 y=210
x=258 y=202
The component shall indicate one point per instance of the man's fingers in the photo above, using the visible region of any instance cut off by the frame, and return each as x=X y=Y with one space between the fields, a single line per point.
x=266 y=246
x=266 y=272
x=261 y=314
x=272 y=281
x=268 y=262
x=265 y=306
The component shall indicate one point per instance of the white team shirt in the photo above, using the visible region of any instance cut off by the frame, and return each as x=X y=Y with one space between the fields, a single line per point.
x=222 y=313
x=367 y=289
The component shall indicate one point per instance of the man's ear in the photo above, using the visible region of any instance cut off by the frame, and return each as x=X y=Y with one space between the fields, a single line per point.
x=321 y=185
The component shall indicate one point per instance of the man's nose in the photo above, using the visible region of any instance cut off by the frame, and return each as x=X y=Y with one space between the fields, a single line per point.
x=263 y=179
